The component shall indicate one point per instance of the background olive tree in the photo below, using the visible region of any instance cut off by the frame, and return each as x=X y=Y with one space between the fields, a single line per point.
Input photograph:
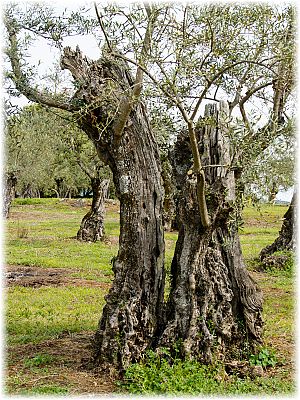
x=48 y=155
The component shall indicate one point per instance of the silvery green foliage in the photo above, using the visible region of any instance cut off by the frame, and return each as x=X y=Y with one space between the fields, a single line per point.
x=43 y=146
x=198 y=53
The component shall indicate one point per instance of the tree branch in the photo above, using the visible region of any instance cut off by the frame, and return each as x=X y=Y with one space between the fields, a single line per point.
x=102 y=27
x=84 y=168
x=21 y=81
x=251 y=92
x=127 y=103
x=217 y=76
x=211 y=45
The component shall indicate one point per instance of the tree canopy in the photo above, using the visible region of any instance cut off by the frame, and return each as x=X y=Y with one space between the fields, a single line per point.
x=37 y=134
x=243 y=54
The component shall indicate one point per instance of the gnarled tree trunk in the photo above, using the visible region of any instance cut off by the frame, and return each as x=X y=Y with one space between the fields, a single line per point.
x=8 y=192
x=287 y=235
x=92 y=225
x=214 y=308
x=134 y=304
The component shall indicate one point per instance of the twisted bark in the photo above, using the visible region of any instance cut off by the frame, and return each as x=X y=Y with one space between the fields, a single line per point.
x=214 y=308
x=134 y=305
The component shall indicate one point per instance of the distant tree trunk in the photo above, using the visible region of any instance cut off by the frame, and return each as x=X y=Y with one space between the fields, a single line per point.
x=9 y=192
x=214 y=308
x=273 y=193
x=92 y=225
x=134 y=305
x=287 y=235
x=58 y=190
x=169 y=188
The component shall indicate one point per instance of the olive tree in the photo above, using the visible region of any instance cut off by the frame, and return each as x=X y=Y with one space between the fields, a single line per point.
x=183 y=55
x=33 y=136
x=36 y=134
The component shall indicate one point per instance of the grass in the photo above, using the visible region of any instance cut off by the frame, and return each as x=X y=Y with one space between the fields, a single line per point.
x=50 y=239
x=42 y=233
x=261 y=227
x=88 y=259
x=36 y=314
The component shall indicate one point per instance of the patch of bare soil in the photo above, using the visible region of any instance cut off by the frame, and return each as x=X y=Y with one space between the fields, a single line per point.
x=264 y=221
x=65 y=369
x=110 y=204
x=37 y=276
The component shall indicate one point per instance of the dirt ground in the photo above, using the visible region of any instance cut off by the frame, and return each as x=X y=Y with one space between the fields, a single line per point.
x=37 y=276
x=70 y=350
x=66 y=370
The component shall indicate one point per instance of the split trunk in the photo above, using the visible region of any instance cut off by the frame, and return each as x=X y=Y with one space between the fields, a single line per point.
x=214 y=308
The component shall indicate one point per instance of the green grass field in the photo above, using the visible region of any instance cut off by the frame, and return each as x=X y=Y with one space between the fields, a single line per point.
x=49 y=323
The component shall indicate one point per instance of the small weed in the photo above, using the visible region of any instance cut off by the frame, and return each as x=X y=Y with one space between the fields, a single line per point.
x=158 y=375
x=22 y=233
x=265 y=358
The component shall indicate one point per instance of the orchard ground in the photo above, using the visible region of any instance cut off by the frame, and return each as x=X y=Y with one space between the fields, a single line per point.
x=55 y=288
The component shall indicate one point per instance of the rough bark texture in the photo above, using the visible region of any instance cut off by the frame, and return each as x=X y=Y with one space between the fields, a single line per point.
x=214 y=308
x=9 y=192
x=92 y=225
x=287 y=235
x=134 y=304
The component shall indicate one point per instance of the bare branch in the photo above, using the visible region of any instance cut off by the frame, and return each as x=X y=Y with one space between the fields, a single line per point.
x=198 y=169
x=128 y=103
x=218 y=75
x=184 y=23
x=83 y=167
x=211 y=45
x=129 y=19
x=251 y=92
x=102 y=27
x=245 y=118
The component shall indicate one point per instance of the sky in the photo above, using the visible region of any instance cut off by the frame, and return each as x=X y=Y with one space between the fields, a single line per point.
x=285 y=195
